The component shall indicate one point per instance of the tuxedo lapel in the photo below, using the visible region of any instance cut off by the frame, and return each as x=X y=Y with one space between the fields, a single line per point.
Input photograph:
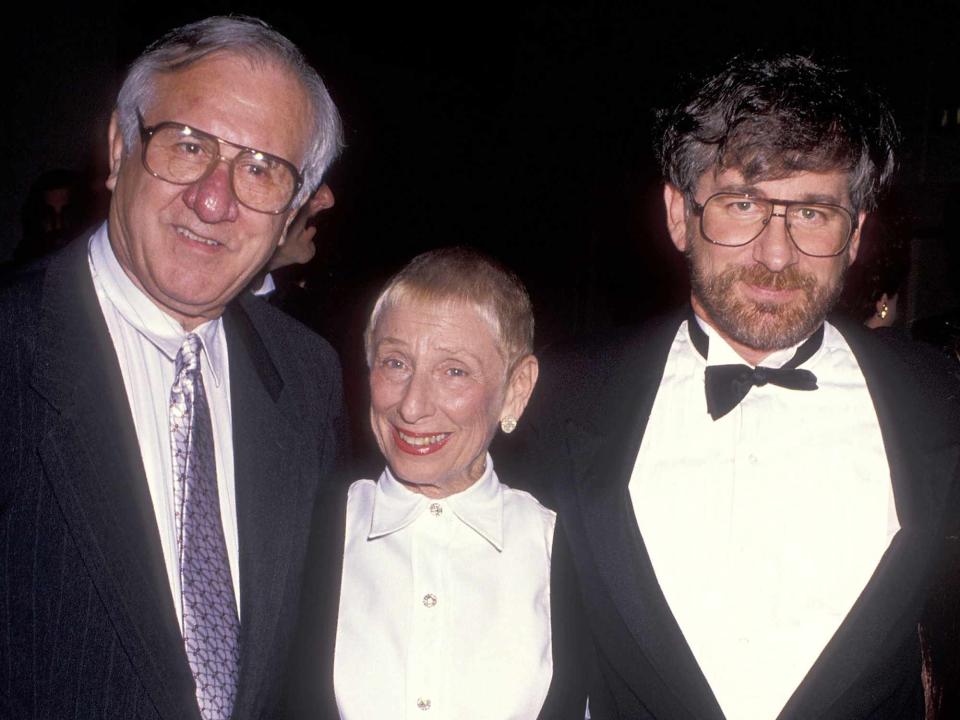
x=923 y=457
x=603 y=454
x=91 y=457
x=271 y=487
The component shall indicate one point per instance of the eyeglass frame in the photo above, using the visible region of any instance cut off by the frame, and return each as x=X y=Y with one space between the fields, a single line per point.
x=697 y=209
x=146 y=133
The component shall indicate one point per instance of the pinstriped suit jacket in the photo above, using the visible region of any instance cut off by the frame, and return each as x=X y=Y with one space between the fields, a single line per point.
x=87 y=623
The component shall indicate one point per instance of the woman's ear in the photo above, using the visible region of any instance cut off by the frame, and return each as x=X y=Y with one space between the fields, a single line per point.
x=520 y=386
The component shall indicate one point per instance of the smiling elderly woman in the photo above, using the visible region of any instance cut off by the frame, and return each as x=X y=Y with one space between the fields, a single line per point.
x=446 y=608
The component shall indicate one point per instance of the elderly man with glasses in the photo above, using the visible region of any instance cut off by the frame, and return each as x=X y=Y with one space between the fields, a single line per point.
x=165 y=434
x=757 y=499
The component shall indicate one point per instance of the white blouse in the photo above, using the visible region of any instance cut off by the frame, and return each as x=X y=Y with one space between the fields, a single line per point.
x=444 y=604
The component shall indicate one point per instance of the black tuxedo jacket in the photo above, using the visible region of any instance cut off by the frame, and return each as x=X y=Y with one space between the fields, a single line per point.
x=588 y=418
x=87 y=621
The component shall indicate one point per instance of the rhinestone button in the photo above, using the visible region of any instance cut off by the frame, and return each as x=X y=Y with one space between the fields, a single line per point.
x=436 y=509
x=429 y=600
x=423 y=703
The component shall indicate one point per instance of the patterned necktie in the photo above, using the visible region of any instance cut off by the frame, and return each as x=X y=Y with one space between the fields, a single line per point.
x=727 y=385
x=211 y=628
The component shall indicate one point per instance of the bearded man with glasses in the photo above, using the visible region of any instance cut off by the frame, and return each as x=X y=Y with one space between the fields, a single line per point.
x=166 y=434
x=757 y=499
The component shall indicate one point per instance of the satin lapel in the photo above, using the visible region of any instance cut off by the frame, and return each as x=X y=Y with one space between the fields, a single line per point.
x=602 y=460
x=269 y=457
x=923 y=458
x=91 y=457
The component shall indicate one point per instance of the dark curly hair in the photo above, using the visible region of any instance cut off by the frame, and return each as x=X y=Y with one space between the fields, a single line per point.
x=771 y=118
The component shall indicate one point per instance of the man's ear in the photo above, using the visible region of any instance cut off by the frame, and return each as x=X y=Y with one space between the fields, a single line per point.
x=855 y=238
x=675 y=204
x=322 y=199
x=115 y=143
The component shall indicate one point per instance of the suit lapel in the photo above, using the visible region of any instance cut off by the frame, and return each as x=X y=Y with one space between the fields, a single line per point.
x=602 y=459
x=269 y=454
x=923 y=457
x=91 y=456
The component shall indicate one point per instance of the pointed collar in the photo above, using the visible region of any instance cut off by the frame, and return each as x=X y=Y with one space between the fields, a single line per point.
x=722 y=354
x=143 y=315
x=479 y=507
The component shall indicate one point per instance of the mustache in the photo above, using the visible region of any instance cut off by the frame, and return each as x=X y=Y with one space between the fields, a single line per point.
x=790 y=278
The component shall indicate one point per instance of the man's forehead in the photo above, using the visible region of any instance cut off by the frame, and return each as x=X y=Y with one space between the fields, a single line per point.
x=827 y=186
x=251 y=101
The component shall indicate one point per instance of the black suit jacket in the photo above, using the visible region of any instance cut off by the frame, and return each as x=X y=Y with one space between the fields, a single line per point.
x=87 y=621
x=588 y=420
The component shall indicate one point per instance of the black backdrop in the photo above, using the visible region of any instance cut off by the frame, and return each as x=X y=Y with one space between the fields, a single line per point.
x=523 y=129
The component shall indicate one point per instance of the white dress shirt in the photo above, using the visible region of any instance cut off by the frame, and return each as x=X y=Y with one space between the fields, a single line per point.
x=147 y=341
x=763 y=526
x=444 y=604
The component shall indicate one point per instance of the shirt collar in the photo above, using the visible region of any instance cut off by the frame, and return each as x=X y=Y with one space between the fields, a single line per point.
x=479 y=507
x=722 y=354
x=267 y=287
x=143 y=315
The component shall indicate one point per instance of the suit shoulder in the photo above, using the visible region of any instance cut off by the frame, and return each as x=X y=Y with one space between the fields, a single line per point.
x=934 y=377
x=584 y=373
x=297 y=342
x=21 y=289
x=21 y=300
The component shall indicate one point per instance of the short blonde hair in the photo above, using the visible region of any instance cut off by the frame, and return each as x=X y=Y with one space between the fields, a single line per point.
x=463 y=275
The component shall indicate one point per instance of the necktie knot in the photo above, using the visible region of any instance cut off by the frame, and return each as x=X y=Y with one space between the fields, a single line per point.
x=759 y=376
x=188 y=357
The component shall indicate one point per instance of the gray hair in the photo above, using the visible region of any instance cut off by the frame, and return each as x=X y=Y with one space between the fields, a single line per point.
x=457 y=275
x=250 y=38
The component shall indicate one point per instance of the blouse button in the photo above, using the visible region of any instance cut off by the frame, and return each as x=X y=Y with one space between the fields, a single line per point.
x=429 y=600
x=423 y=703
x=436 y=509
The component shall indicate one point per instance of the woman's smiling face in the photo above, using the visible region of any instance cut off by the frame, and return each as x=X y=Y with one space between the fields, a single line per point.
x=438 y=386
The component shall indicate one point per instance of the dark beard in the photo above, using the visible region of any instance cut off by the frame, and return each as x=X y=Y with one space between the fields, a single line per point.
x=763 y=326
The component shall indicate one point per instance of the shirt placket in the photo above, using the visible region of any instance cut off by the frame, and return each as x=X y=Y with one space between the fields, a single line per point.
x=425 y=672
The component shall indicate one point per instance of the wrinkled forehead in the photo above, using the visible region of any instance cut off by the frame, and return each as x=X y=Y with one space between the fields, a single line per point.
x=449 y=304
x=429 y=301
x=254 y=101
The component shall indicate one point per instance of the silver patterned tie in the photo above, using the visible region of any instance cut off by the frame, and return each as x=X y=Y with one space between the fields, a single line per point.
x=211 y=628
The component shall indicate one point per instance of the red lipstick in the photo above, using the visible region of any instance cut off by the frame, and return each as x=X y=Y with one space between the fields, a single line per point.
x=415 y=443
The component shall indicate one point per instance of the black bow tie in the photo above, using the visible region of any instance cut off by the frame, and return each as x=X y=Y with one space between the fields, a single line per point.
x=727 y=385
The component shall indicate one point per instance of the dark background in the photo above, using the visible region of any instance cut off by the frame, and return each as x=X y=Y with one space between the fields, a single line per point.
x=523 y=129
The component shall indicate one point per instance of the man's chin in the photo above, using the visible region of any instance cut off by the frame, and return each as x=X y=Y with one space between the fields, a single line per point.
x=770 y=327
